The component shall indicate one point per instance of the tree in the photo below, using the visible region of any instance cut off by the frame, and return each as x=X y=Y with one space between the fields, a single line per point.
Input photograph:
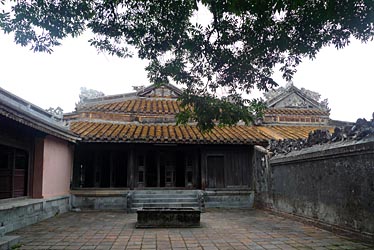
x=237 y=50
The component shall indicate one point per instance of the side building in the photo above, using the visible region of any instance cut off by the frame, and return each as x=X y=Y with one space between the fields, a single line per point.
x=36 y=156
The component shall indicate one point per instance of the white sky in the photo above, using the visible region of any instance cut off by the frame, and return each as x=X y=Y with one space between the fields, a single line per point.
x=345 y=77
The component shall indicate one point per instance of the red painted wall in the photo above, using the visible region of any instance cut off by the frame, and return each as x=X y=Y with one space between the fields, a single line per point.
x=57 y=167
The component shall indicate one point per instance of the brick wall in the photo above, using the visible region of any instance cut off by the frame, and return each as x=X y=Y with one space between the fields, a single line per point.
x=332 y=183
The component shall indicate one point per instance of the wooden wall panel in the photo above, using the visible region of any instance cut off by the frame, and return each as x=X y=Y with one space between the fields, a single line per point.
x=216 y=171
x=236 y=163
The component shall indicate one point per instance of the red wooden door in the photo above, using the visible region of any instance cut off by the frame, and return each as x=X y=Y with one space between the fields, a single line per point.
x=13 y=172
x=19 y=180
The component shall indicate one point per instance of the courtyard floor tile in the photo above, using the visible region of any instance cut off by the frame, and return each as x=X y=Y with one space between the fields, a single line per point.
x=220 y=229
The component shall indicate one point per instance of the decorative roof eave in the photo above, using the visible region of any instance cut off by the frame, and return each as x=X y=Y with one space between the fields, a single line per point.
x=173 y=142
x=296 y=112
x=24 y=112
x=297 y=124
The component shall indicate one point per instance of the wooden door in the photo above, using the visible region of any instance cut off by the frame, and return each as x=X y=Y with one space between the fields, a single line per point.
x=216 y=171
x=13 y=172
x=20 y=173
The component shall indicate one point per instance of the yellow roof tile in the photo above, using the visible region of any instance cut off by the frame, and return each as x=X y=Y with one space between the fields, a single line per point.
x=94 y=131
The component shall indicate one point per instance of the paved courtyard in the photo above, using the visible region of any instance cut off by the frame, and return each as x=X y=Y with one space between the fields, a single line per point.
x=221 y=229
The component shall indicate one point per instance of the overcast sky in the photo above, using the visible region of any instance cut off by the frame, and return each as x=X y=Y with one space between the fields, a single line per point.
x=345 y=77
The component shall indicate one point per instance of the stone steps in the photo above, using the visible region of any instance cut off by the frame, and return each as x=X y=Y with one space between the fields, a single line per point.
x=163 y=199
x=165 y=193
x=165 y=205
x=165 y=196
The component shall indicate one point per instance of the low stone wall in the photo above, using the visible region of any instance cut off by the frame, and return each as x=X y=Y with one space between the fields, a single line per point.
x=331 y=183
x=18 y=213
x=99 y=199
x=228 y=198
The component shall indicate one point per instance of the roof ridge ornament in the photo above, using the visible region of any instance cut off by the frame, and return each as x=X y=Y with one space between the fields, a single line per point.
x=56 y=112
x=86 y=94
x=139 y=88
x=289 y=84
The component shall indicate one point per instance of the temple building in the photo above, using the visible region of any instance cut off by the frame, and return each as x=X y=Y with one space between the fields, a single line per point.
x=125 y=152
x=113 y=147
x=132 y=141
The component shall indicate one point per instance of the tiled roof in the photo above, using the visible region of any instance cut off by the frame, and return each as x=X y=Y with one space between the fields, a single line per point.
x=295 y=111
x=185 y=134
x=171 y=106
x=139 y=105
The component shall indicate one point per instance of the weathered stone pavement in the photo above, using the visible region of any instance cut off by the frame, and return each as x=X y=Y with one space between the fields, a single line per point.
x=221 y=229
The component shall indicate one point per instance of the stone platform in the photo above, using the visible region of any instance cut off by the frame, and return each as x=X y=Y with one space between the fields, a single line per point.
x=168 y=217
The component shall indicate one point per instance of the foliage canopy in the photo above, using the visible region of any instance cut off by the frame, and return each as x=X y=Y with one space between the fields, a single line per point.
x=236 y=50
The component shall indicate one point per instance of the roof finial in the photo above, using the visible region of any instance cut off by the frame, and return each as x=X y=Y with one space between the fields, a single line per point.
x=289 y=84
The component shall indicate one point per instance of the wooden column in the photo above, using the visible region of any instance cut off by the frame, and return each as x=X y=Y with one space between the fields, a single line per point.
x=131 y=169
x=251 y=165
x=196 y=182
x=37 y=180
x=158 y=167
x=13 y=170
x=96 y=182
x=72 y=163
x=111 y=169
x=203 y=169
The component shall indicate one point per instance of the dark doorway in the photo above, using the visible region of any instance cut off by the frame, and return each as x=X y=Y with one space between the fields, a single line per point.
x=104 y=169
x=5 y=172
x=162 y=169
x=119 y=169
x=216 y=171
x=100 y=169
x=151 y=170
x=86 y=169
x=180 y=170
